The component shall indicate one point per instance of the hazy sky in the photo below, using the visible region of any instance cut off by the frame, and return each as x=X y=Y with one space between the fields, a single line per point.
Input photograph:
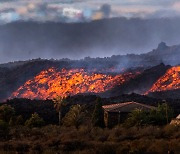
x=133 y=42
x=126 y=8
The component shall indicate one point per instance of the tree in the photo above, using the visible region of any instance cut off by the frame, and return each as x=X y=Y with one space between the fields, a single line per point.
x=98 y=114
x=34 y=121
x=162 y=115
x=15 y=121
x=59 y=103
x=74 y=117
x=6 y=113
x=159 y=116
x=137 y=117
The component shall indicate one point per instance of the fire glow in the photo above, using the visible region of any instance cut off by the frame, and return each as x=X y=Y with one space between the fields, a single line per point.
x=50 y=83
x=170 y=81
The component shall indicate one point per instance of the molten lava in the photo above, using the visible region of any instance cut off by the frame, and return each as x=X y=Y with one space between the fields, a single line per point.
x=170 y=81
x=50 y=83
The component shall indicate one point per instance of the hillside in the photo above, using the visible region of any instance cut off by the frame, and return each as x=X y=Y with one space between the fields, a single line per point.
x=144 y=70
x=141 y=83
x=169 y=81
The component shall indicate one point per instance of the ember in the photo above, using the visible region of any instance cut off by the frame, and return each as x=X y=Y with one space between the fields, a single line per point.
x=50 y=83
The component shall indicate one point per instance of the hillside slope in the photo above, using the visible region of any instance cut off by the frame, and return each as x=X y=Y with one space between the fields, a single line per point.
x=13 y=75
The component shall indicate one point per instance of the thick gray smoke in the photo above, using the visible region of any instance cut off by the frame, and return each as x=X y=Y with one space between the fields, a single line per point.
x=141 y=25
x=27 y=40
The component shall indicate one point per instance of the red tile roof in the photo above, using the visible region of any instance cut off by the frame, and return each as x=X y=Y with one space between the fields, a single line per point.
x=126 y=107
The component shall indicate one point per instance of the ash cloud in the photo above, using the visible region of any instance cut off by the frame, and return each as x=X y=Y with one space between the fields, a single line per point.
x=33 y=29
x=27 y=40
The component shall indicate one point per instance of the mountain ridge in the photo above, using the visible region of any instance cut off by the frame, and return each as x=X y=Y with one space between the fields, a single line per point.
x=169 y=55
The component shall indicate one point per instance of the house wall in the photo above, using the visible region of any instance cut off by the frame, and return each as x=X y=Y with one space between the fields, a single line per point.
x=112 y=119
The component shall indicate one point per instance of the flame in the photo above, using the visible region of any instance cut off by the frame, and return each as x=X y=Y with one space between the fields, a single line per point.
x=50 y=83
x=170 y=81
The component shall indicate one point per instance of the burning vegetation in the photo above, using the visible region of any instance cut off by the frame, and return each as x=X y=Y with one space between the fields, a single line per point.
x=170 y=81
x=52 y=82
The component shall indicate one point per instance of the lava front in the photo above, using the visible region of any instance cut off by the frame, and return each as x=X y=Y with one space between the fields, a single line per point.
x=52 y=82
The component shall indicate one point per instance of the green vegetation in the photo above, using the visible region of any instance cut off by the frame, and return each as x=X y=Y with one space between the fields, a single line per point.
x=160 y=116
x=82 y=129
x=88 y=139
x=6 y=113
x=137 y=118
x=34 y=121
x=59 y=103
x=163 y=115
x=75 y=117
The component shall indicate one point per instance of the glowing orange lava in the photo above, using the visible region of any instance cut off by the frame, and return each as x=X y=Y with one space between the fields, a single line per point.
x=50 y=83
x=170 y=81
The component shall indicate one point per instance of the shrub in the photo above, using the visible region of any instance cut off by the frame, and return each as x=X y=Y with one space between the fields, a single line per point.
x=6 y=113
x=15 y=121
x=158 y=146
x=162 y=115
x=105 y=148
x=170 y=130
x=136 y=118
x=74 y=117
x=35 y=121
x=116 y=134
x=123 y=149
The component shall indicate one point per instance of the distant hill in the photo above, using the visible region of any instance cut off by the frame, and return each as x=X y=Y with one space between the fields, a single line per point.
x=169 y=55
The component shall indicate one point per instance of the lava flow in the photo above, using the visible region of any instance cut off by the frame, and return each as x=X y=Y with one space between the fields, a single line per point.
x=170 y=81
x=50 y=83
